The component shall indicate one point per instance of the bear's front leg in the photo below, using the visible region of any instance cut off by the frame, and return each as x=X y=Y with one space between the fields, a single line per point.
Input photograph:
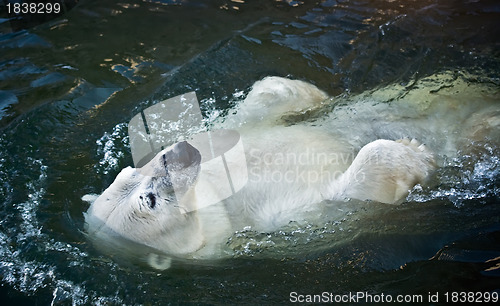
x=385 y=171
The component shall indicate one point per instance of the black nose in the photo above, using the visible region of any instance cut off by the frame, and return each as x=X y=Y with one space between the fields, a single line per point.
x=183 y=154
x=152 y=200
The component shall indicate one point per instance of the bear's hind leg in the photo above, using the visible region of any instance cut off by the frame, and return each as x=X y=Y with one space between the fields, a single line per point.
x=385 y=171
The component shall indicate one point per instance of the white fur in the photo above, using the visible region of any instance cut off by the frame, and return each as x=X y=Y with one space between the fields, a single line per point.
x=291 y=170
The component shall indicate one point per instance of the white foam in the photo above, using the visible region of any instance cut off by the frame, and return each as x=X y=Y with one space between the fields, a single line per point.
x=111 y=148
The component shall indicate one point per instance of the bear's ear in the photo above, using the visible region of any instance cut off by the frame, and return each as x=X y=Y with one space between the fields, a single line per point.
x=159 y=262
x=90 y=198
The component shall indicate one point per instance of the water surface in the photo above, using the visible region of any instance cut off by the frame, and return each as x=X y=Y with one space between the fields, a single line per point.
x=69 y=86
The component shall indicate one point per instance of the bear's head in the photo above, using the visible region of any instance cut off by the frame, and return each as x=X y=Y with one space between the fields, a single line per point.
x=142 y=205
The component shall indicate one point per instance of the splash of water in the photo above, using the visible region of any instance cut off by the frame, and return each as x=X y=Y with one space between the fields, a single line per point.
x=24 y=246
x=111 y=148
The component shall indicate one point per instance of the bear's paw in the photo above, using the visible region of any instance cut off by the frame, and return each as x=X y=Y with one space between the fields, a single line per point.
x=386 y=170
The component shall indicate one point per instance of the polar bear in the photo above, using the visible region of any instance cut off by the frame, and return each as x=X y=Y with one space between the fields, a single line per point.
x=297 y=158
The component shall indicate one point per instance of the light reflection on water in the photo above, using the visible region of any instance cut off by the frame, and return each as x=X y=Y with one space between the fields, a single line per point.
x=68 y=86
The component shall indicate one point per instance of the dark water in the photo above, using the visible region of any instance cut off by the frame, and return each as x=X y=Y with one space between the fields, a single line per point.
x=69 y=86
